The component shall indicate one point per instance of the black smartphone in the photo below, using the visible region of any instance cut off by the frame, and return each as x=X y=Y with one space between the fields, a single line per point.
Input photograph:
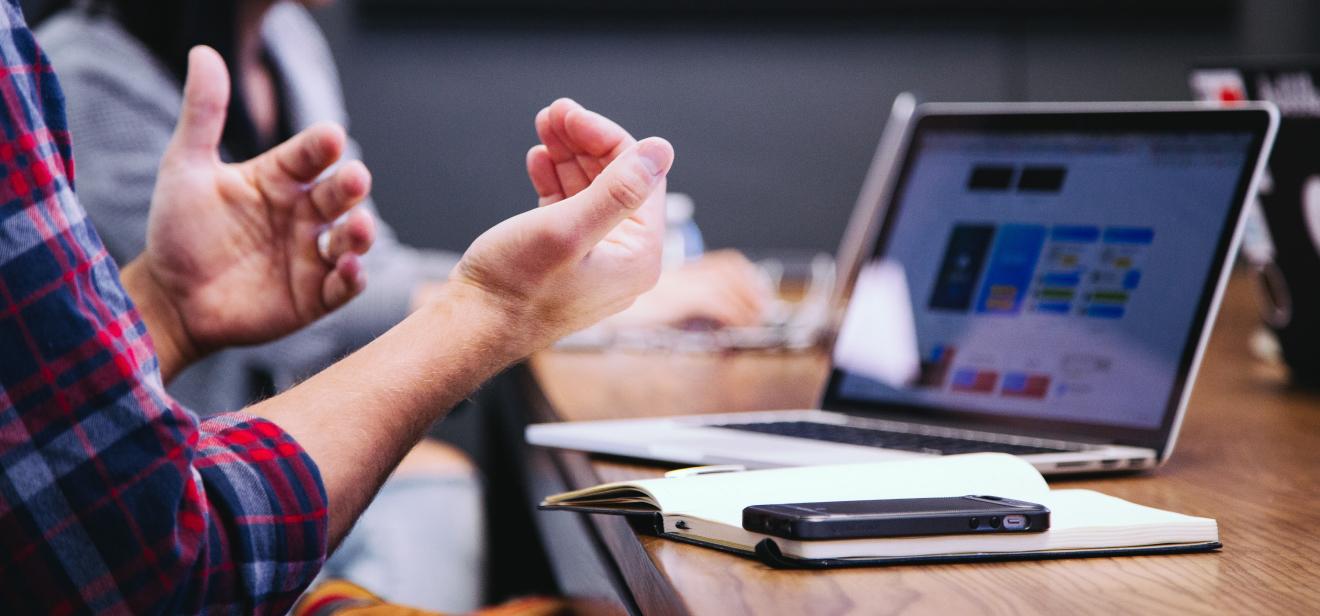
x=897 y=518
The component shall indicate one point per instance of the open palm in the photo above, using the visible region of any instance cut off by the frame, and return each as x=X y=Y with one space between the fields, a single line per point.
x=234 y=246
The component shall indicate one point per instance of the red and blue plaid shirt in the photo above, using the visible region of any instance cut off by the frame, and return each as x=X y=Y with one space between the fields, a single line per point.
x=113 y=498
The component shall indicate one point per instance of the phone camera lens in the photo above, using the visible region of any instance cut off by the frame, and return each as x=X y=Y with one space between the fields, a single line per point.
x=994 y=521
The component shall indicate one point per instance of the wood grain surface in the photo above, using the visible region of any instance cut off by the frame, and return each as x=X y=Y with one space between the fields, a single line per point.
x=1248 y=456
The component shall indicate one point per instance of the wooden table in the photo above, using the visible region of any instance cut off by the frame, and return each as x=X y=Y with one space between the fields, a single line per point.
x=1248 y=455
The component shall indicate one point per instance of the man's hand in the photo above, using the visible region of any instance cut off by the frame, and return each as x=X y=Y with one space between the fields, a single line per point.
x=232 y=251
x=592 y=246
x=722 y=289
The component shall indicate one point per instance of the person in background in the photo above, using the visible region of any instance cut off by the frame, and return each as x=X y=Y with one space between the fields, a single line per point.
x=121 y=63
x=119 y=500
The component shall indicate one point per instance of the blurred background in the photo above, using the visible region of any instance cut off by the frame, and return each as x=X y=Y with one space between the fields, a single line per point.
x=774 y=106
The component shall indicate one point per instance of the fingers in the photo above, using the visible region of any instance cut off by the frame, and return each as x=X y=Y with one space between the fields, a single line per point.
x=354 y=234
x=284 y=172
x=572 y=177
x=595 y=135
x=731 y=308
x=722 y=286
x=627 y=187
x=745 y=308
x=303 y=157
x=731 y=314
x=343 y=246
x=575 y=130
x=580 y=142
x=549 y=128
x=541 y=170
x=715 y=303
x=205 y=99
x=747 y=287
x=347 y=187
x=344 y=282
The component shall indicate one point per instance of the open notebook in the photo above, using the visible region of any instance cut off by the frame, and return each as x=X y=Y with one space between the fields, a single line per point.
x=707 y=509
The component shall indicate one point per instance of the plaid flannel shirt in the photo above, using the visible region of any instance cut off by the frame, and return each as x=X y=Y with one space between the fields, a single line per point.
x=113 y=498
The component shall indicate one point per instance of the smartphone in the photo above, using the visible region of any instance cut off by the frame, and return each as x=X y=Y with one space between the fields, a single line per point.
x=897 y=518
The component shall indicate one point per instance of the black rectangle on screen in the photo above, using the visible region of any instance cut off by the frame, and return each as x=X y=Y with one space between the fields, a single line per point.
x=990 y=177
x=1042 y=179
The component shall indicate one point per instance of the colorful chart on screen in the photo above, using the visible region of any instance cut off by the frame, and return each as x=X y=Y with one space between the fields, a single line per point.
x=1049 y=272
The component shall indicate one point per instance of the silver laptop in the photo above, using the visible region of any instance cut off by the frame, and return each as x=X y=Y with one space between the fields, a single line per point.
x=1035 y=279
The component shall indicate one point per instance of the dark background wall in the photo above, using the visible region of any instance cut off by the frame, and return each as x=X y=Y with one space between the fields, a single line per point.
x=774 y=116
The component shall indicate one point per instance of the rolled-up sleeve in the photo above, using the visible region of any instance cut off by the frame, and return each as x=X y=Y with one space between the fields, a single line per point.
x=265 y=514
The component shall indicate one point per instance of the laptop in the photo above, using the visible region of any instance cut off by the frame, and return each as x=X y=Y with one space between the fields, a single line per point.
x=1039 y=280
x=1282 y=236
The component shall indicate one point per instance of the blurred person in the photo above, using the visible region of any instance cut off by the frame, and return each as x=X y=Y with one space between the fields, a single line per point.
x=117 y=498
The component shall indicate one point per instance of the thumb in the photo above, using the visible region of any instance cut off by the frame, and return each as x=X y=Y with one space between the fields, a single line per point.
x=205 y=100
x=619 y=191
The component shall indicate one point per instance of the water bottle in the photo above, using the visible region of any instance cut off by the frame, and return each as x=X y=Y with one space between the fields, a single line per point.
x=683 y=241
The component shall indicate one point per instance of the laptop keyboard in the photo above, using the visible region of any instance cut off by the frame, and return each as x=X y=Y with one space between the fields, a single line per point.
x=905 y=441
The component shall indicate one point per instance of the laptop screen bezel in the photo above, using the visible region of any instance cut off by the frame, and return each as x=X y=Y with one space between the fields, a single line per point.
x=1188 y=118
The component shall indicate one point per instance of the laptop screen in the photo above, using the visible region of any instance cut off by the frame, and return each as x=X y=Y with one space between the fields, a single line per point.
x=1056 y=274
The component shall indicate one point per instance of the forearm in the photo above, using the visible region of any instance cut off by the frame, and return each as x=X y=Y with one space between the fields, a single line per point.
x=360 y=416
x=173 y=347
